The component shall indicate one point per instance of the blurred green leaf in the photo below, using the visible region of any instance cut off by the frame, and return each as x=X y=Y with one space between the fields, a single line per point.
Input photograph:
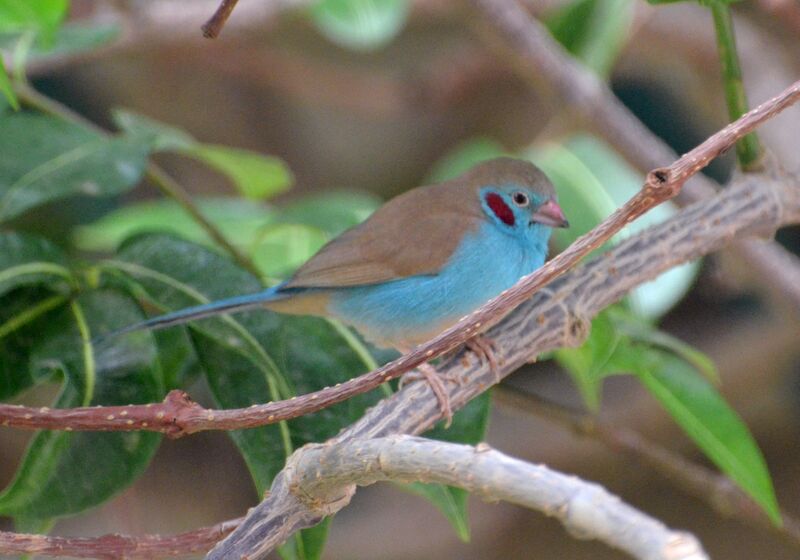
x=53 y=479
x=278 y=241
x=360 y=24
x=239 y=220
x=330 y=212
x=70 y=38
x=43 y=159
x=308 y=544
x=594 y=31
x=468 y=427
x=24 y=314
x=640 y=330
x=5 y=87
x=41 y=16
x=255 y=175
x=161 y=136
x=465 y=155
x=27 y=260
x=706 y=418
x=280 y=248
x=589 y=364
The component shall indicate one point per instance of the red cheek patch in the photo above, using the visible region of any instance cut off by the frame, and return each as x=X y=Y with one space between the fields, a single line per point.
x=500 y=208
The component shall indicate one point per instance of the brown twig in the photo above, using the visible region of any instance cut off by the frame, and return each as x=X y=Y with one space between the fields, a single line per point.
x=178 y=415
x=213 y=26
x=117 y=546
x=716 y=490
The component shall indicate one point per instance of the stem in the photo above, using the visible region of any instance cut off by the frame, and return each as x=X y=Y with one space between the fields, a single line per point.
x=748 y=149
x=166 y=184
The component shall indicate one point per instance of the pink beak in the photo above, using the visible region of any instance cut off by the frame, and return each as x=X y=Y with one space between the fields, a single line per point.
x=550 y=214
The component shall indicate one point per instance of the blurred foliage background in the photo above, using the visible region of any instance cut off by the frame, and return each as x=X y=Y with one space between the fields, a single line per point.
x=294 y=125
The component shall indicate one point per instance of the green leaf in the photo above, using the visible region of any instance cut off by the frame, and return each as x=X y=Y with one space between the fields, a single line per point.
x=69 y=39
x=706 y=418
x=255 y=175
x=43 y=159
x=281 y=248
x=29 y=260
x=24 y=314
x=41 y=16
x=162 y=137
x=360 y=24
x=468 y=427
x=277 y=241
x=252 y=357
x=239 y=220
x=53 y=479
x=5 y=87
x=330 y=212
x=465 y=155
x=589 y=364
x=308 y=544
x=642 y=331
x=594 y=31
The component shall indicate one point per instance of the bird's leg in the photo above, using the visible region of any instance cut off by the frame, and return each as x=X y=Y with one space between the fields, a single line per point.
x=429 y=373
x=485 y=349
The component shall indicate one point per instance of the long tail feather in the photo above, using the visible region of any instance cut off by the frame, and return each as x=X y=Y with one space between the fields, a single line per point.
x=237 y=303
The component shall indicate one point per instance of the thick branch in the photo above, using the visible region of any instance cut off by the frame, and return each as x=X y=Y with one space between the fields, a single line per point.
x=713 y=488
x=777 y=205
x=556 y=317
x=323 y=477
x=116 y=546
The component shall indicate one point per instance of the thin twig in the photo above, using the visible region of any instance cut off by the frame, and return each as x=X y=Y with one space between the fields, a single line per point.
x=178 y=415
x=160 y=178
x=117 y=546
x=213 y=26
x=716 y=490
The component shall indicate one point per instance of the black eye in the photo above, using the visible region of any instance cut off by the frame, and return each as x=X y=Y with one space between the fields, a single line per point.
x=520 y=198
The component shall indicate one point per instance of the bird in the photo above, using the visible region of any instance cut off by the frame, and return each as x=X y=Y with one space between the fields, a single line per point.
x=419 y=263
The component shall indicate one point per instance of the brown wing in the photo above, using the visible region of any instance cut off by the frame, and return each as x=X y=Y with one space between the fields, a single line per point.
x=414 y=233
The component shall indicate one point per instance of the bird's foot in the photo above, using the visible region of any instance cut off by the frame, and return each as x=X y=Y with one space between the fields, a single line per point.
x=434 y=380
x=485 y=349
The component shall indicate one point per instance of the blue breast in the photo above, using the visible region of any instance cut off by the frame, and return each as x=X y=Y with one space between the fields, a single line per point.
x=405 y=312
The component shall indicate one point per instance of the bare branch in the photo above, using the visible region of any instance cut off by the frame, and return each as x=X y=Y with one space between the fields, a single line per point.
x=117 y=546
x=323 y=477
x=213 y=26
x=556 y=317
x=716 y=490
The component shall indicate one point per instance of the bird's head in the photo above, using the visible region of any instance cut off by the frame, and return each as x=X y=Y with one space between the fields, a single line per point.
x=517 y=196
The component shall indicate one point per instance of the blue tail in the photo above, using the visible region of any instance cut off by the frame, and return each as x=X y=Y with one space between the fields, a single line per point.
x=237 y=303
